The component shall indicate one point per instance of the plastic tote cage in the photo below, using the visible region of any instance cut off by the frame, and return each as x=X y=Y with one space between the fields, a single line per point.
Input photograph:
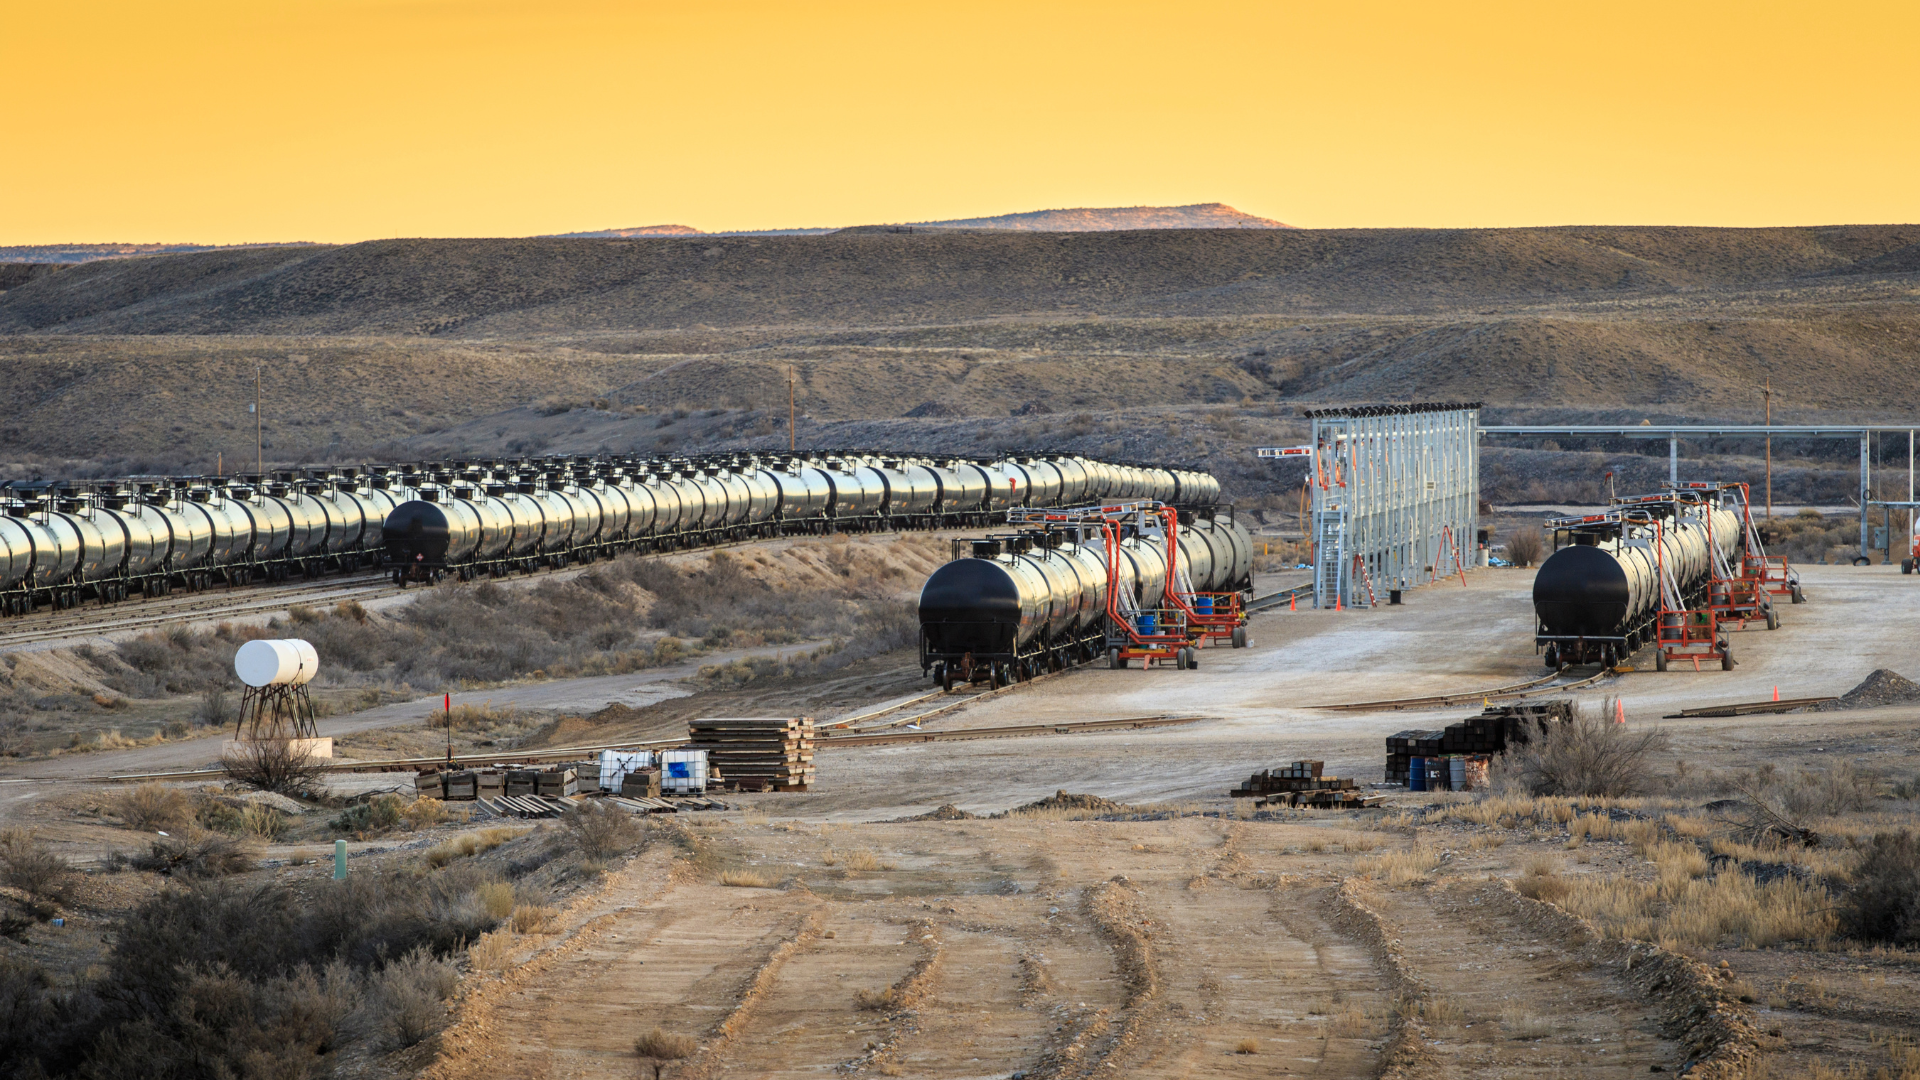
x=616 y=764
x=683 y=772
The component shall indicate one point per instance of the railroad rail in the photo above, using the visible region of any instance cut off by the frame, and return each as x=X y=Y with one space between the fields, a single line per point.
x=1749 y=708
x=1275 y=599
x=1125 y=723
x=1511 y=690
x=235 y=601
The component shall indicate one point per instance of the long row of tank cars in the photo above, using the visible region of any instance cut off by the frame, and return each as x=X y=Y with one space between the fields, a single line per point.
x=64 y=543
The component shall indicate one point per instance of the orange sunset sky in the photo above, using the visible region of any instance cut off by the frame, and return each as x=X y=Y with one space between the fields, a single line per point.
x=220 y=122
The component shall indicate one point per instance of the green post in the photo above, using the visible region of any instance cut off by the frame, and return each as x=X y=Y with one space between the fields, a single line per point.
x=339 y=860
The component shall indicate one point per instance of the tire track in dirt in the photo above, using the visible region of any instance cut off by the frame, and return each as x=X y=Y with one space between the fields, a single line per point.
x=804 y=1018
x=1499 y=997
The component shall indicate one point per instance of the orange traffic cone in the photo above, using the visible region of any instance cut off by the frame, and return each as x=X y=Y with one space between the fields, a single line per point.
x=1339 y=603
x=1776 y=693
x=1291 y=605
x=1619 y=712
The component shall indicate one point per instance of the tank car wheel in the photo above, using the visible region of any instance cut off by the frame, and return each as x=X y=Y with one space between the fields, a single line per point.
x=946 y=678
x=1551 y=658
x=1660 y=660
x=1240 y=637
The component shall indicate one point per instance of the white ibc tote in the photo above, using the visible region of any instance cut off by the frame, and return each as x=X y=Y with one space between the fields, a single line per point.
x=268 y=662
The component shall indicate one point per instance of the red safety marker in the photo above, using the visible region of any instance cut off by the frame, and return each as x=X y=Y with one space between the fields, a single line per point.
x=1292 y=605
x=1619 y=712
x=1776 y=693
x=1339 y=603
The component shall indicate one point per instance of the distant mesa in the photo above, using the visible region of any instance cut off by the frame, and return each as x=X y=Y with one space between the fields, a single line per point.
x=1079 y=219
x=638 y=230
x=1115 y=218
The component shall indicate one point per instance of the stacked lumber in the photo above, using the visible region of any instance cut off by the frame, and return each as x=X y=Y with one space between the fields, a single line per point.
x=756 y=753
x=1295 y=777
x=1323 y=800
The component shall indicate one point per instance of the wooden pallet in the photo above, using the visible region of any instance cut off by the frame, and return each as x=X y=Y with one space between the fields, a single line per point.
x=665 y=806
x=527 y=806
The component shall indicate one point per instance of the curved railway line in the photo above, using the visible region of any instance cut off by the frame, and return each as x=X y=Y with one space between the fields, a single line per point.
x=1510 y=690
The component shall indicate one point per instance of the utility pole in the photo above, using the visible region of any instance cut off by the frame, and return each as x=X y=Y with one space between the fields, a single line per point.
x=259 y=425
x=793 y=437
x=1769 y=393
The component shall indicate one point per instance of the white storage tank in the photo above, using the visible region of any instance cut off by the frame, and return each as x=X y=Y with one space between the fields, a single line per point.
x=683 y=772
x=616 y=764
x=270 y=662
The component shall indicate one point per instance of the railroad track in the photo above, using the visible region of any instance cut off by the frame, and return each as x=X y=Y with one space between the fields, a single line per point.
x=1275 y=599
x=150 y=613
x=1127 y=723
x=1511 y=690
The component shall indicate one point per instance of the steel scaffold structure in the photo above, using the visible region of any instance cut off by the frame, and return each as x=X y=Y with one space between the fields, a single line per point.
x=1396 y=497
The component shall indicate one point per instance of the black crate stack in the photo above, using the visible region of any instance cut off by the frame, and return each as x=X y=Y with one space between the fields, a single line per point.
x=1298 y=776
x=1490 y=733
x=1403 y=746
x=756 y=753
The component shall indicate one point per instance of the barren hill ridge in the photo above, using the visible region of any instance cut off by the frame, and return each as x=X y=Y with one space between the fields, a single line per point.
x=549 y=285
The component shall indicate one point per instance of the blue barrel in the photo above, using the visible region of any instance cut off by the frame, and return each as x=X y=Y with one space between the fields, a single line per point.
x=1417 y=774
x=1203 y=605
x=1146 y=623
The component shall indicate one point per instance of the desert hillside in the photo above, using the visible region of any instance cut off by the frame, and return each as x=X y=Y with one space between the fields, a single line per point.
x=393 y=348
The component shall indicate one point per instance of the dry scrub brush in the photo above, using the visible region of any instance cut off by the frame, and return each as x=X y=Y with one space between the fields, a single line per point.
x=658 y=1048
x=27 y=865
x=277 y=765
x=1585 y=756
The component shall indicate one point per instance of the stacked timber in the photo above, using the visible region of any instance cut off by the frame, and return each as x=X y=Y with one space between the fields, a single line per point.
x=1404 y=746
x=756 y=753
x=1298 y=776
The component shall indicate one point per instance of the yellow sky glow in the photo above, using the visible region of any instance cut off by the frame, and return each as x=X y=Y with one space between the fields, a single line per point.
x=217 y=121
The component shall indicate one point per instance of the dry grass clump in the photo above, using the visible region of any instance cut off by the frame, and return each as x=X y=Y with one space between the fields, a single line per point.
x=533 y=918
x=1542 y=881
x=863 y=860
x=1525 y=1026
x=876 y=1000
x=495 y=898
x=1247 y=1046
x=1402 y=867
x=745 y=879
x=471 y=843
x=27 y=865
x=1587 y=756
x=491 y=952
x=153 y=807
x=264 y=823
x=658 y=1049
x=1731 y=907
